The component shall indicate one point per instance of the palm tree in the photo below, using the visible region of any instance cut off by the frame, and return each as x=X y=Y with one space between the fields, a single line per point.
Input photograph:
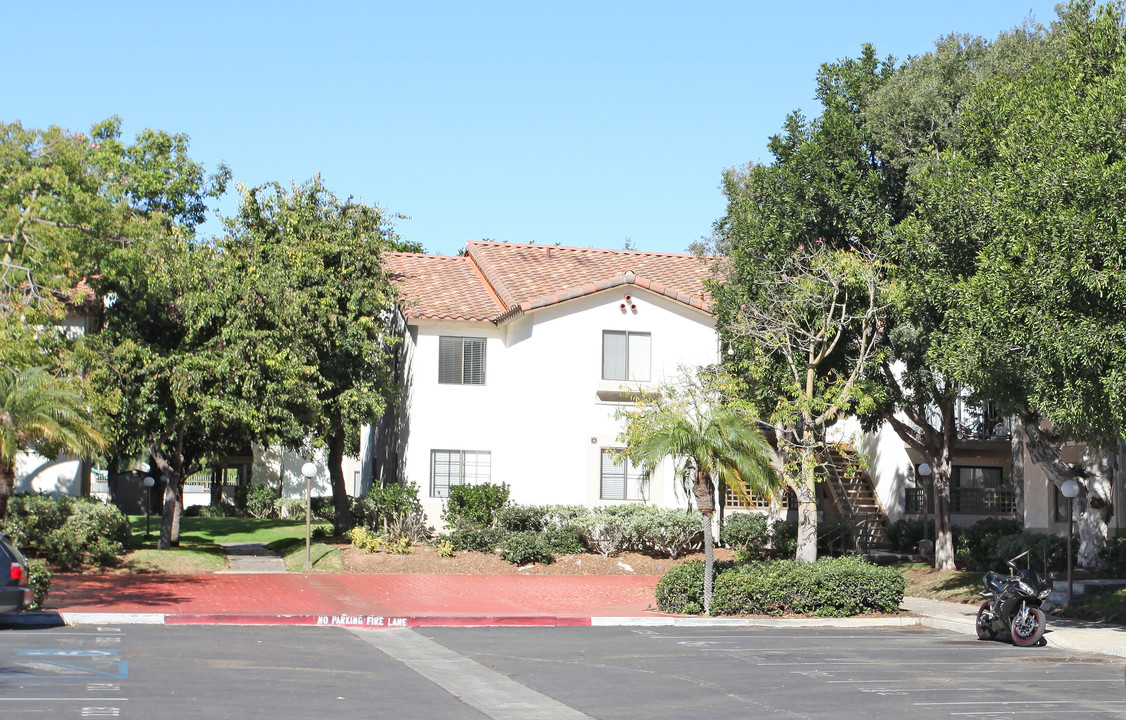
x=38 y=411
x=690 y=422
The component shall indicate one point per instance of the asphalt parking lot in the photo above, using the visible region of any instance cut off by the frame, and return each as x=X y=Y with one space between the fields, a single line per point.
x=551 y=673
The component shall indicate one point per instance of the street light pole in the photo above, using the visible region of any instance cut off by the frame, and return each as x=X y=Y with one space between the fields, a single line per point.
x=1070 y=489
x=149 y=482
x=308 y=470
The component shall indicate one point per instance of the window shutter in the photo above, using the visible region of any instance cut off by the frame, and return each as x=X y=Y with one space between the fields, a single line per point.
x=474 y=361
x=613 y=355
x=449 y=360
x=613 y=475
x=639 y=357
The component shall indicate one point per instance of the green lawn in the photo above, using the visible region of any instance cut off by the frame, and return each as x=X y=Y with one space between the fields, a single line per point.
x=211 y=531
x=200 y=552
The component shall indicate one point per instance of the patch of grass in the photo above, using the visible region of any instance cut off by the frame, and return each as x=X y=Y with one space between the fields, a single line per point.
x=211 y=531
x=192 y=560
x=1108 y=606
x=325 y=558
x=950 y=585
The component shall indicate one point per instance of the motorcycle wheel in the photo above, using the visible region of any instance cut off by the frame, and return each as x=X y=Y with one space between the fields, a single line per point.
x=1028 y=627
x=984 y=623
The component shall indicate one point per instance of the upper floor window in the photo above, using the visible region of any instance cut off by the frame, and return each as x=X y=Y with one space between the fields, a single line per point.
x=625 y=355
x=461 y=360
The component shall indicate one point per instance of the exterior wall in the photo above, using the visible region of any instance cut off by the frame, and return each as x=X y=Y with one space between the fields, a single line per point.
x=544 y=413
x=61 y=476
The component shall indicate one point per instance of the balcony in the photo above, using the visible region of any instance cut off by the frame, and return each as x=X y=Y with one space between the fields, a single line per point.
x=968 y=501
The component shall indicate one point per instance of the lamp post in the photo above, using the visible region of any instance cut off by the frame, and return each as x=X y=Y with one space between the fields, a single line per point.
x=149 y=482
x=1070 y=489
x=308 y=470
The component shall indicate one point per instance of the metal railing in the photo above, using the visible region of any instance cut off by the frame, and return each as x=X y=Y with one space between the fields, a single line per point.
x=968 y=501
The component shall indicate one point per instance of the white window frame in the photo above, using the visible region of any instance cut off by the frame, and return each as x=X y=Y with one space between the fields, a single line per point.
x=634 y=486
x=453 y=352
x=636 y=369
x=462 y=467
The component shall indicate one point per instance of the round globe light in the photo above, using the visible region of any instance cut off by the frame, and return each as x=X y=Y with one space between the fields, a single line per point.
x=1070 y=488
x=925 y=470
x=309 y=470
x=149 y=482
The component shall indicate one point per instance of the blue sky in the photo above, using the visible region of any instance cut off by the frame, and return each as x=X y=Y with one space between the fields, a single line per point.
x=580 y=123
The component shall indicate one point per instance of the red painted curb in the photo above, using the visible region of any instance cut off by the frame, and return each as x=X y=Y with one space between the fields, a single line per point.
x=377 y=621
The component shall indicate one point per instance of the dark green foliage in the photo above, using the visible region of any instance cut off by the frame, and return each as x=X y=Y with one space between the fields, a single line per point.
x=526 y=546
x=522 y=518
x=979 y=541
x=67 y=531
x=1113 y=557
x=260 y=501
x=906 y=533
x=223 y=510
x=464 y=535
x=784 y=537
x=1046 y=553
x=384 y=508
x=564 y=540
x=680 y=591
x=747 y=533
x=830 y=587
x=322 y=509
x=39 y=578
x=477 y=504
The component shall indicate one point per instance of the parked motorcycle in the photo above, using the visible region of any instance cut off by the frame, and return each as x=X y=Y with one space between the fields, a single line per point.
x=1013 y=606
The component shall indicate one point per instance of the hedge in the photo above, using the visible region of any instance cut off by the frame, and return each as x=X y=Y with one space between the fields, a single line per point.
x=830 y=587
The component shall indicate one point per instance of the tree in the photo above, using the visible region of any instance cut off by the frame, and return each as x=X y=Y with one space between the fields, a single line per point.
x=695 y=421
x=319 y=256
x=1046 y=174
x=799 y=304
x=43 y=413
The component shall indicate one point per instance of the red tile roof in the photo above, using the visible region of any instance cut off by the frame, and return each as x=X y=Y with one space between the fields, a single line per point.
x=494 y=281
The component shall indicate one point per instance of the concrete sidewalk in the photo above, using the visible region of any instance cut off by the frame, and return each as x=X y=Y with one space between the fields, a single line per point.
x=384 y=600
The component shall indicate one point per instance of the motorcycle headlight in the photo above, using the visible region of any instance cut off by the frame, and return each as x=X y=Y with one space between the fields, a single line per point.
x=1045 y=593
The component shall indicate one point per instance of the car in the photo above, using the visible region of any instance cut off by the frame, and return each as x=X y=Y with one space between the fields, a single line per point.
x=15 y=593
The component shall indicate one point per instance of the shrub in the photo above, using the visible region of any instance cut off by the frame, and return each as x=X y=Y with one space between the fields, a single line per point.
x=445 y=549
x=564 y=540
x=464 y=535
x=784 y=537
x=366 y=540
x=748 y=534
x=323 y=509
x=1113 y=557
x=67 y=531
x=663 y=533
x=680 y=591
x=979 y=542
x=603 y=532
x=522 y=518
x=289 y=509
x=905 y=534
x=830 y=587
x=1045 y=552
x=393 y=510
x=260 y=501
x=477 y=504
x=226 y=510
x=524 y=547
x=39 y=578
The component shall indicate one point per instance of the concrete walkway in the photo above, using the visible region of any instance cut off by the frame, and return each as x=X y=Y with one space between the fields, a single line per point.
x=252 y=557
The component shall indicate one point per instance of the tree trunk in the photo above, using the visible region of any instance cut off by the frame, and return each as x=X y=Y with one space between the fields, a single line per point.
x=173 y=510
x=1020 y=436
x=7 y=488
x=943 y=532
x=341 y=502
x=806 y=493
x=709 y=562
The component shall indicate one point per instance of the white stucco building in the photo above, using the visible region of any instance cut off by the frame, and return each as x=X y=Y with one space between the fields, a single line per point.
x=516 y=358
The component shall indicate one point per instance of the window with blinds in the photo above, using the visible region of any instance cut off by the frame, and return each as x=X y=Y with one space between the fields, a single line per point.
x=625 y=355
x=458 y=467
x=621 y=479
x=461 y=360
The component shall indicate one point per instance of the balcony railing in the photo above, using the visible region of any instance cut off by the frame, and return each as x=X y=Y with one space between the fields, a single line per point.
x=968 y=501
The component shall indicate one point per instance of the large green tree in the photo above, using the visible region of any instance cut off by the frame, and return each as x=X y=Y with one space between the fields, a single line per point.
x=697 y=421
x=1045 y=172
x=799 y=304
x=318 y=256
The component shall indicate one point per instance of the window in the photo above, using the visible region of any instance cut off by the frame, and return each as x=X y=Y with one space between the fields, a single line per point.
x=461 y=360
x=625 y=355
x=977 y=477
x=458 y=467
x=621 y=479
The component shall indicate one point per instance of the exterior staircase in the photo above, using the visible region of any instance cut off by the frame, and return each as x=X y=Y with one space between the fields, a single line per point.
x=850 y=488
